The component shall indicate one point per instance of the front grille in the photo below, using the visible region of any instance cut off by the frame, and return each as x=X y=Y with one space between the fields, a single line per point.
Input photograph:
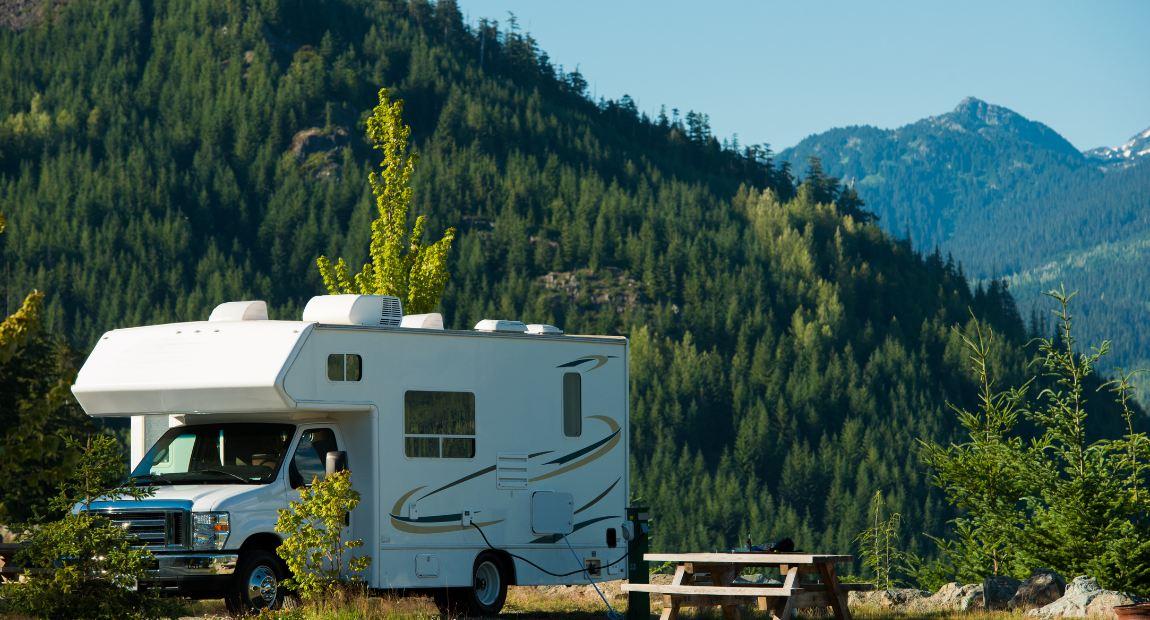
x=155 y=529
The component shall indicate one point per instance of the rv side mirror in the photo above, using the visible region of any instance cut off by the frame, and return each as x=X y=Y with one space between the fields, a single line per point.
x=336 y=462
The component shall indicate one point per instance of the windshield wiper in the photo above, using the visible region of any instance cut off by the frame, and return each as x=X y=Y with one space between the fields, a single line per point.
x=220 y=471
x=152 y=478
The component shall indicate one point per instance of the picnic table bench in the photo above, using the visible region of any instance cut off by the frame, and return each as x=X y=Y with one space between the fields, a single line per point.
x=708 y=579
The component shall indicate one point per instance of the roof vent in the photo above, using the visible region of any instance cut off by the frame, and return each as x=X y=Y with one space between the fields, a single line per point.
x=500 y=325
x=540 y=329
x=367 y=310
x=433 y=320
x=240 y=311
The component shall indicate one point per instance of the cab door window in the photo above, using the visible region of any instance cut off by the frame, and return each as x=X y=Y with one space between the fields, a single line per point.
x=310 y=459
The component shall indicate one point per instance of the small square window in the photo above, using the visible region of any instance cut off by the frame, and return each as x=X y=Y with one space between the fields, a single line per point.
x=344 y=367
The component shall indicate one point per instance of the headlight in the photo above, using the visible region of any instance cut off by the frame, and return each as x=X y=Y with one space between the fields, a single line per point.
x=210 y=530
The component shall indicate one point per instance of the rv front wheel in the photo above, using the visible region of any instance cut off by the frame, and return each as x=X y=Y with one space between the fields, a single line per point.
x=257 y=585
x=489 y=585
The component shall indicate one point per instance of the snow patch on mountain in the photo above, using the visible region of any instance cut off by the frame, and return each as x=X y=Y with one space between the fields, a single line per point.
x=1124 y=155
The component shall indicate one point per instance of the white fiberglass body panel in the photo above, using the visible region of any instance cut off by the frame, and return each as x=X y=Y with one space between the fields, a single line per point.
x=231 y=366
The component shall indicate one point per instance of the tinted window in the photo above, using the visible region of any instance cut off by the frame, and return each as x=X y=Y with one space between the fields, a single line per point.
x=439 y=424
x=310 y=459
x=572 y=404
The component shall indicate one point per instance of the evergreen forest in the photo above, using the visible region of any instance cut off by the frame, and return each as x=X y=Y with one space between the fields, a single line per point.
x=159 y=157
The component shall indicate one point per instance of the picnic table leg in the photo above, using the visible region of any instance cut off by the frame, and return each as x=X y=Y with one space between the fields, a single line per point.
x=790 y=576
x=835 y=593
x=726 y=577
x=671 y=603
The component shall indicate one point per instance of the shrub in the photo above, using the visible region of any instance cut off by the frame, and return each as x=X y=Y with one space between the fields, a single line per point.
x=83 y=565
x=314 y=547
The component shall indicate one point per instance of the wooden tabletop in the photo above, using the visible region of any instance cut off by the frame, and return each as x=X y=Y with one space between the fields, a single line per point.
x=747 y=558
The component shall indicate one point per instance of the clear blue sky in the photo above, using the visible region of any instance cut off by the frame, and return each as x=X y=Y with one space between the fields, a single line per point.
x=776 y=72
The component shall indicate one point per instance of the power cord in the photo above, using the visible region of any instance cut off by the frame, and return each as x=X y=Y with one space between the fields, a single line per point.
x=611 y=613
x=523 y=559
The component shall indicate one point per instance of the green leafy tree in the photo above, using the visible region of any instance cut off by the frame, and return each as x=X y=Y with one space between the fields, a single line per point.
x=83 y=565
x=401 y=264
x=314 y=545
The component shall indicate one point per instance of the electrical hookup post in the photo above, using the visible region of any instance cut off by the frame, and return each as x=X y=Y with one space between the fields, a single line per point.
x=638 y=603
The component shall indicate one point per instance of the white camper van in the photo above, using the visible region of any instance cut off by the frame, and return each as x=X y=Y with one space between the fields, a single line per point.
x=484 y=458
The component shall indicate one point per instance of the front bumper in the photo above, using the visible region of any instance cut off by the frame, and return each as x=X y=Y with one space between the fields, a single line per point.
x=193 y=565
x=198 y=575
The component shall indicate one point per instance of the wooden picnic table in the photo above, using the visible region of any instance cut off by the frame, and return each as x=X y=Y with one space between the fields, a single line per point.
x=708 y=579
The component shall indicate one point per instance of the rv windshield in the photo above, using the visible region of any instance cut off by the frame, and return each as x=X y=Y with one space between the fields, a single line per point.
x=242 y=453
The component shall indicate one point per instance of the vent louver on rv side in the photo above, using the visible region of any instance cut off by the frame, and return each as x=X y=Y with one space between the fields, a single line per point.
x=367 y=310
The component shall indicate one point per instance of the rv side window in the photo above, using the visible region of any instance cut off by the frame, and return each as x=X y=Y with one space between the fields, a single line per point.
x=439 y=424
x=344 y=367
x=572 y=404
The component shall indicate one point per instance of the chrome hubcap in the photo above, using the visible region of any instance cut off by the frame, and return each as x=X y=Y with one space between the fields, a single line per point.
x=263 y=586
x=487 y=583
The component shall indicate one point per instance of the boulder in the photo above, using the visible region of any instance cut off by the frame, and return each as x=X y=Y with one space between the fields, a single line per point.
x=1083 y=598
x=1041 y=588
x=954 y=597
x=997 y=591
x=897 y=598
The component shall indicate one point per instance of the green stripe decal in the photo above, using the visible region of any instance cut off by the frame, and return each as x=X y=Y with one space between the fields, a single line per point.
x=580 y=452
x=598 y=497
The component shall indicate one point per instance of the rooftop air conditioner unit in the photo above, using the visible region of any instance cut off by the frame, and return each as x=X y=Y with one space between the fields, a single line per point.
x=367 y=310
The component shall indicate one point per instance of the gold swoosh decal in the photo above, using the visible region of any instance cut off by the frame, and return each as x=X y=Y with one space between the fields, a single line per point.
x=613 y=425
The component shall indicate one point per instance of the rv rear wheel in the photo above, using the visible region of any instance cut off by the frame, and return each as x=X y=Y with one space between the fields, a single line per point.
x=257 y=584
x=488 y=585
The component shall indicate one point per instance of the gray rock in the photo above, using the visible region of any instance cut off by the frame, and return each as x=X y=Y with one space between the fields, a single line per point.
x=1042 y=588
x=887 y=599
x=954 y=597
x=997 y=591
x=1083 y=598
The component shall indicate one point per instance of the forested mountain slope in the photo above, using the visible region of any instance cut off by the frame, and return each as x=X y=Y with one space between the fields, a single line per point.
x=157 y=158
x=1010 y=198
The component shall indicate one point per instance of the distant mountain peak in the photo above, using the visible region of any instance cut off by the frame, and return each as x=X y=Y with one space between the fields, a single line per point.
x=1134 y=150
x=995 y=122
x=973 y=113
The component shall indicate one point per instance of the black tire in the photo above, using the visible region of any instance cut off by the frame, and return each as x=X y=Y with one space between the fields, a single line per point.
x=488 y=591
x=257 y=584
